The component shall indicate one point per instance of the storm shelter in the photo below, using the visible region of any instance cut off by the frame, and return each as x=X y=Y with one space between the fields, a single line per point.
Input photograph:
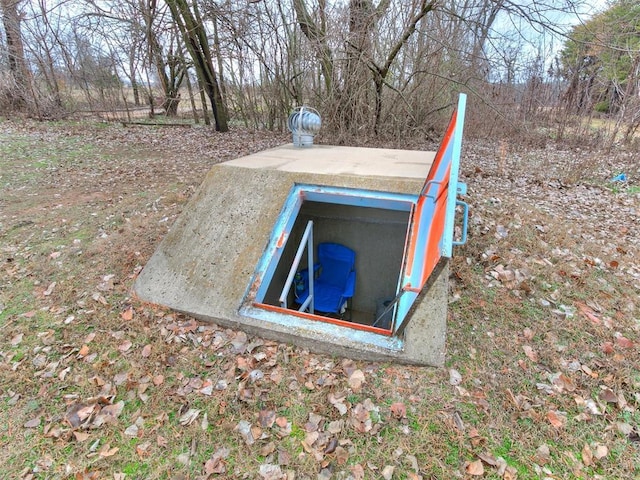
x=253 y=248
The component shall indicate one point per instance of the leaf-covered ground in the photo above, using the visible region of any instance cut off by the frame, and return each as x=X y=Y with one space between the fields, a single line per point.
x=542 y=377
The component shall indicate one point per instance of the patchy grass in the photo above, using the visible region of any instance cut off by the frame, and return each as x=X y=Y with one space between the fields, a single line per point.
x=95 y=384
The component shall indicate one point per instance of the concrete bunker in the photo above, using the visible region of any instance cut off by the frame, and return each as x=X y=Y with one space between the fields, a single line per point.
x=229 y=255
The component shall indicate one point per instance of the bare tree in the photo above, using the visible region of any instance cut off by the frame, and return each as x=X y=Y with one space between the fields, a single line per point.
x=42 y=47
x=316 y=32
x=387 y=67
x=11 y=20
x=190 y=25
x=168 y=62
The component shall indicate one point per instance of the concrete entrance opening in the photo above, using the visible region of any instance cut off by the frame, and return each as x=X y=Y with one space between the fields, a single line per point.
x=375 y=225
x=233 y=254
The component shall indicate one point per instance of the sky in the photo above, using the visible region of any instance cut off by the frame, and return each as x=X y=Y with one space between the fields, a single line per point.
x=545 y=38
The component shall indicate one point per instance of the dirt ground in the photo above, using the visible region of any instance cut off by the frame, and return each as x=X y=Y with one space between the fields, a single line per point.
x=542 y=377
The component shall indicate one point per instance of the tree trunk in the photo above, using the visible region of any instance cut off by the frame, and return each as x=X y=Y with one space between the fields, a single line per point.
x=380 y=72
x=195 y=39
x=203 y=102
x=170 y=105
x=627 y=100
x=15 y=50
x=192 y=100
x=135 y=87
x=216 y=43
x=317 y=35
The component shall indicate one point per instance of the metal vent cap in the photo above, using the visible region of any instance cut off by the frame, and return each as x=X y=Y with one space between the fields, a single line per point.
x=304 y=123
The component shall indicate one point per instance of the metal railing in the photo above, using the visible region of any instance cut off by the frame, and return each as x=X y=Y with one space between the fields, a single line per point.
x=307 y=241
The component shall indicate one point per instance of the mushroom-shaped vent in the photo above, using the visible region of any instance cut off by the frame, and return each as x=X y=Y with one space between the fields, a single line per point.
x=304 y=123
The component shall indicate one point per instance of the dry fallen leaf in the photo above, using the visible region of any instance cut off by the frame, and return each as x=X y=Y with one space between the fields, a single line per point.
x=607 y=348
x=528 y=333
x=587 y=455
x=216 y=464
x=337 y=400
x=387 y=472
x=84 y=351
x=99 y=298
x=244 y=429
x=270 y=472
x=607 y=395
x=356 y=379
x=49 y=289
x=335 y=427
x=87 y=475
x=601 y=451
x=267 y=418
x=107 y=451
x=80 y=436
x=592 y=407
x=588 y=313
x=530 y=353
x=357 y=471
x=284 y=457
x=361 y=419
x=342 y=455
x=256 y=431
x=267 y=449
x=331 y=446
x=510 y=473
x=189 y=416
x=398 y=410
x=489 y=459
x=309 y=440
x=146 y=351
x=623 y=341
x=142 y=450
x=109 y=414
x=78 y=413
x=127 y=314
x=33 y=423
x=562 y=382
x=204 y=424
x=475 y=468
x=543 y=455
x=556 y=419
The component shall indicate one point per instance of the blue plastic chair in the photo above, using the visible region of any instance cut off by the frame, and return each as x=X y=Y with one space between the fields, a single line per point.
x=334 y=279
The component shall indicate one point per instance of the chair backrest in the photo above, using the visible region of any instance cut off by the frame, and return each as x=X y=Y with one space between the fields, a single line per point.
x=337 y=261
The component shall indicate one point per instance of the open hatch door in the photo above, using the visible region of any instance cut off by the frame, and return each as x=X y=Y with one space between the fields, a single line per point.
x=432 y=228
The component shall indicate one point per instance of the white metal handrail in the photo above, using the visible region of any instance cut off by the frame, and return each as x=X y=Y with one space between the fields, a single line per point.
x=306 y=241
